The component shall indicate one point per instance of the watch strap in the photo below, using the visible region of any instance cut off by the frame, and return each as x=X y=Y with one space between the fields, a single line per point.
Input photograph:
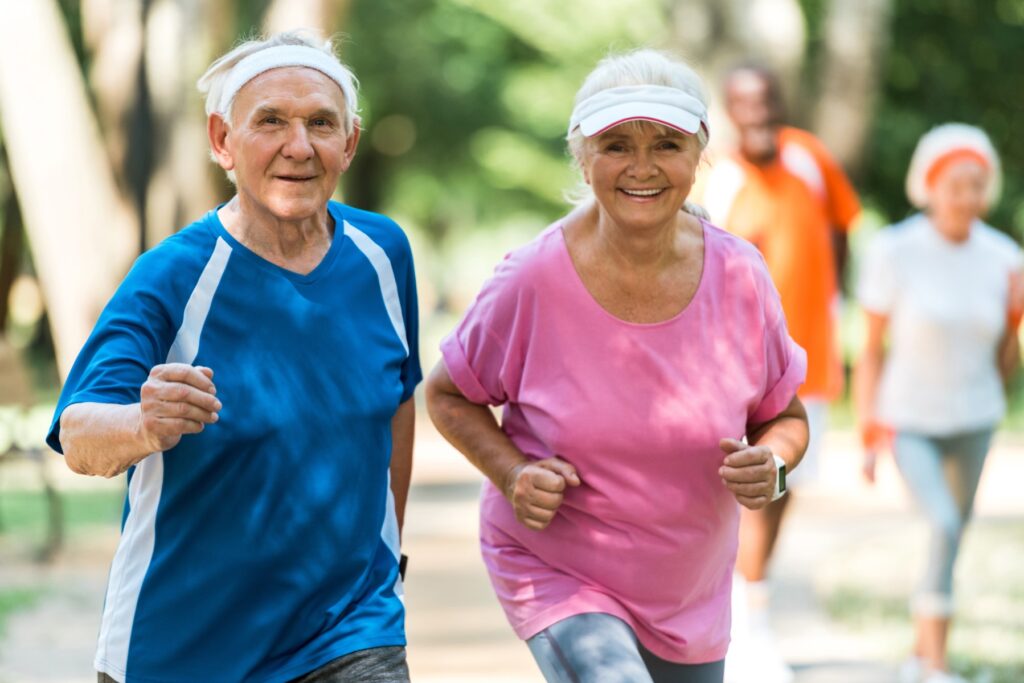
x=780 y=480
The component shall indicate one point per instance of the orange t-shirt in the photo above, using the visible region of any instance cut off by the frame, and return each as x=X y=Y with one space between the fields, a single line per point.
x=789 y=209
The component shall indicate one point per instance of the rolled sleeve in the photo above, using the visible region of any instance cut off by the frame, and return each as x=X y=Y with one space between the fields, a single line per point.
x=779 y=395
x=462 y=374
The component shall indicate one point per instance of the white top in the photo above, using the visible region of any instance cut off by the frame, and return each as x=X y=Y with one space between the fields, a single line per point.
x=947 y=305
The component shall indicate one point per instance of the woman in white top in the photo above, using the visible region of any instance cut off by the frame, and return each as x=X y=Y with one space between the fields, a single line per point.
x=940 y=293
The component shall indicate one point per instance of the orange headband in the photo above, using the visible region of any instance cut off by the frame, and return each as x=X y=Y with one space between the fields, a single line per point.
x=951 y=157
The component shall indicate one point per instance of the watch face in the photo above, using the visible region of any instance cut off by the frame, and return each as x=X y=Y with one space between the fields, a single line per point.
x=782 y=479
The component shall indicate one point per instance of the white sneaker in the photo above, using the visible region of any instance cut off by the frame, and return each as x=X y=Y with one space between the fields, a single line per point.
x=753 y=656
x=911 y=670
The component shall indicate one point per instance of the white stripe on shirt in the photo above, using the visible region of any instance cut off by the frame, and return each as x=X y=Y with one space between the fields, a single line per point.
x=135 y=551
x=378 y=258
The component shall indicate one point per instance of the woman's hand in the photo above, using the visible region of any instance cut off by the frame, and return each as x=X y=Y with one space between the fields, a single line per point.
x=536 y=489
x=749 y=472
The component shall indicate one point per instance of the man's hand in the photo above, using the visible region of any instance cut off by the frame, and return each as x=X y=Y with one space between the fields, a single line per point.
x=749 y=472
x=536 y=489
x=177 y=399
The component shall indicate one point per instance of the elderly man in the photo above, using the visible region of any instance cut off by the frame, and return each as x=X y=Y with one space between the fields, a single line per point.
x=783 y=191
x=254 y=376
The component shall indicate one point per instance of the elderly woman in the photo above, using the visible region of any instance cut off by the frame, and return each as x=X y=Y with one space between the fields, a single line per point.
x=253 y=374
x=633 y=346
x=943 y=289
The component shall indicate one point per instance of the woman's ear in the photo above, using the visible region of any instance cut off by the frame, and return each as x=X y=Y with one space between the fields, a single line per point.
x=217 y=130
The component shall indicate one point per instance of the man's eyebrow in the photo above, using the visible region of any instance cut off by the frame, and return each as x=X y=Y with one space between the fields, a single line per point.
x=328 y=112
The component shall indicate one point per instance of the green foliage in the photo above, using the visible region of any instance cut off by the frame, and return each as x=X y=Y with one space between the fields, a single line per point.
x=950 y=60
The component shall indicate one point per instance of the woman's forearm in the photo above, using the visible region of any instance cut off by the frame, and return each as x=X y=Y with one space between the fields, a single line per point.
x=472 y=429
x=786 y=434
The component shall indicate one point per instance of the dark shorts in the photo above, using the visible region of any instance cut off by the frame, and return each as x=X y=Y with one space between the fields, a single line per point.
x=376 y=665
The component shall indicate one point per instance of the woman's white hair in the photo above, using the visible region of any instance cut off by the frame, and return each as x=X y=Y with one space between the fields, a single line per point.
x=211 y=83
x=940 y=141
x=638 y=67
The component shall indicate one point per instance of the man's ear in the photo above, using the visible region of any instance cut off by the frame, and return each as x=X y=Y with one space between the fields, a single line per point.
x=350 y=145
x=217 y=130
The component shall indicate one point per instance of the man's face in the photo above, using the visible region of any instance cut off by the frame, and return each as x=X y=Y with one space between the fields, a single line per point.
x=749 y=103
x=287 y=143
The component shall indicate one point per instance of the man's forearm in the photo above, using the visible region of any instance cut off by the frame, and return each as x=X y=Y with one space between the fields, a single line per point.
x=403 y=429
x=102 y=439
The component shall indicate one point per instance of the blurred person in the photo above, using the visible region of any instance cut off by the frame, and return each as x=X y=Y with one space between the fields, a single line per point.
x=633 y=346
x=941 y=293
x=254 y=374
x=782 y=190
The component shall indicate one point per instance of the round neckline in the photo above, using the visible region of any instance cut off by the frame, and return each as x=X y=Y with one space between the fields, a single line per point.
x=248 y=254
x=944 y=241
x=578 y=281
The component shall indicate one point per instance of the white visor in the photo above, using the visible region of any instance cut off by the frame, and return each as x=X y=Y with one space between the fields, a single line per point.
x=655 y=103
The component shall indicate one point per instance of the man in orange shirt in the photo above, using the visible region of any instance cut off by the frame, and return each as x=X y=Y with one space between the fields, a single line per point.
x=784 y=192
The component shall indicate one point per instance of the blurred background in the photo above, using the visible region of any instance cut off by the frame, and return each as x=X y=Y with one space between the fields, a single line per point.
x=103 y=153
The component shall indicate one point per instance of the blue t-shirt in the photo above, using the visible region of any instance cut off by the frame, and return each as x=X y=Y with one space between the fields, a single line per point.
x=265 y=546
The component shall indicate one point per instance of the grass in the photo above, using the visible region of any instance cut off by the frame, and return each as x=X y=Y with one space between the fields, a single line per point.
x=14 y=600
x=23 y=513
x=987 y=640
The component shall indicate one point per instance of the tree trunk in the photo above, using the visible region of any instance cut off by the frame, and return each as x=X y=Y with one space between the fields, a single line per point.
x=856 y=37
x=82 y=236
x=718 y=34
x=11 y=246
x=326 y=16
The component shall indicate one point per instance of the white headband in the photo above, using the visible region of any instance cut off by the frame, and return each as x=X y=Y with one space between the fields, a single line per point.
x=656 y=103
x=941 y=140
x=282 y=56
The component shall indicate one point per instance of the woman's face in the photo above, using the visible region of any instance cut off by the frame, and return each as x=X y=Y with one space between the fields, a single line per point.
x=957 y=196
x=640 y=173
x=287 y=142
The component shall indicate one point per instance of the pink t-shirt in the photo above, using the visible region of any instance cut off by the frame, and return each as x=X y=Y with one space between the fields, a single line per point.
x=650 y=534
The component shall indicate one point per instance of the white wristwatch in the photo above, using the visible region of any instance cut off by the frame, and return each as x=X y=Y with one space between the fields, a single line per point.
x=780 y=480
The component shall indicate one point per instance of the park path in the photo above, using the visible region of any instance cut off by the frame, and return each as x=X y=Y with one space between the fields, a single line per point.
x=457 y=632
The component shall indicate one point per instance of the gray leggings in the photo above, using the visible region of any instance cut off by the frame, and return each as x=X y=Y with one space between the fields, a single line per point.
x=600 y=648
x=942 y=476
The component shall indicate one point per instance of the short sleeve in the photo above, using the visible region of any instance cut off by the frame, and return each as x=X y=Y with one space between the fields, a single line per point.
x=133 y=334
x=412 y=372
x=483 y=354
x=876 y=283
x=841 y=201
x=785 y=361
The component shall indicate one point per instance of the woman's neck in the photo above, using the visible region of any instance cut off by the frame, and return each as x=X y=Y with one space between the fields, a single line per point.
x=951 y=228
x=648 y=248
